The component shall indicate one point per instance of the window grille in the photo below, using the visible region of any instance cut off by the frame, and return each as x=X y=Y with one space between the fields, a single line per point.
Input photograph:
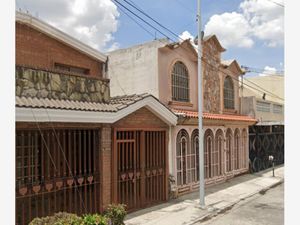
x=263 y=106
x=180 y=83
x=277 y=109
x=228 y=93
x=195 y=157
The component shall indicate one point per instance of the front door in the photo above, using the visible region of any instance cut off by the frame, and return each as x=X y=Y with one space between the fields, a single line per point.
x=140 y=167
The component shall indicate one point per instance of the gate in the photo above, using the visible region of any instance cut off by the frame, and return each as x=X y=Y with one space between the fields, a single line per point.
x=265 y=141
x=140 y=167
x=56 y=170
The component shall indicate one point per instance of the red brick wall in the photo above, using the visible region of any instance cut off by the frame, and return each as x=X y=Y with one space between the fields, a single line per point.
x=142 y=118
x=106 y=170
x=37 y=50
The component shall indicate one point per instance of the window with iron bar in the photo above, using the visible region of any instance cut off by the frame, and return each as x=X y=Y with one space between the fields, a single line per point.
x=180 y=83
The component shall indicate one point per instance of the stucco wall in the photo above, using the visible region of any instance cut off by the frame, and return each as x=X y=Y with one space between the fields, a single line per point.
x=166 y=59
x=249 y=108
x=134 y=70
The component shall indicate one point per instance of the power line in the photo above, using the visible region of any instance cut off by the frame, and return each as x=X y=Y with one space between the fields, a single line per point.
x=116 y=1
x=140 y=25
x=175 y=41
x=276 y=3
x=149 y=17
x=264 y=89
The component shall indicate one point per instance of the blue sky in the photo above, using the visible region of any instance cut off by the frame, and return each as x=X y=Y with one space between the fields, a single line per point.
x=251 y=30
x=179 y=16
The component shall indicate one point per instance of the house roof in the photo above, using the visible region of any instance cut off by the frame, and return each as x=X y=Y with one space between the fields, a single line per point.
x=230 y=62
x=214 y=116
x=49 y=30
x=35 y=109
x=215 y=39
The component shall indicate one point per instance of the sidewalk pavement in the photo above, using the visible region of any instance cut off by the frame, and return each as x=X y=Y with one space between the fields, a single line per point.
x=219 y=198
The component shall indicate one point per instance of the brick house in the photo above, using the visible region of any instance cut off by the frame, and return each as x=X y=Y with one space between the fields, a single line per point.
x=78 y=149
x=169 y=72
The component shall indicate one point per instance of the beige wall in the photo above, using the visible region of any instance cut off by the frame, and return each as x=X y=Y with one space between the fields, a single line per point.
x=249 y=108
x=134 y=70
x=166 y=59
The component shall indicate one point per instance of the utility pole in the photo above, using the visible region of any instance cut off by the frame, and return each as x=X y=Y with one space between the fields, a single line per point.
x=201 y=152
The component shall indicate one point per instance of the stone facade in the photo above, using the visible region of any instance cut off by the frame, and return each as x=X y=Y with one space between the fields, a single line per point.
x=211 y=79
x=53 y=85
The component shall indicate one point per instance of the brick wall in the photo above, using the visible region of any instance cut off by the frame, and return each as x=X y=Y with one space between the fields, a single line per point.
x=37 y=50
x=105 y=148
x=141 y=118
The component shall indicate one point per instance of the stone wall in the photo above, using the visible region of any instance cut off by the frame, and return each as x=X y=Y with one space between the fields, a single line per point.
x=54 y=85
x=211 y=79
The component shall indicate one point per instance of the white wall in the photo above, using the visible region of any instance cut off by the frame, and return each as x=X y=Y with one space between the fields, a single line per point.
x=134 y=70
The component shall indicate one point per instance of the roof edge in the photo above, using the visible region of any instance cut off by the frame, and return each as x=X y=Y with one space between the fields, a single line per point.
x=58 y=34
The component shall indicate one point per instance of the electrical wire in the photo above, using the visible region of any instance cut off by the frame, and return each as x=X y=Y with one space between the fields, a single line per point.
x=183 y=47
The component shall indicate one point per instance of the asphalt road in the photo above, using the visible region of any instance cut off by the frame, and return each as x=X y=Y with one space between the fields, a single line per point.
x=262 y=209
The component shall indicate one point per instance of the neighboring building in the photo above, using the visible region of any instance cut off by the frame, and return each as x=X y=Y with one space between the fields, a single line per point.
x=78 y=149
x=267 y=106
x=169 y=72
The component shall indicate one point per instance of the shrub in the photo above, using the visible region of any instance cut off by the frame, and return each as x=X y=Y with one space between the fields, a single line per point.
x=61 y=218
x=94 y=219
x=116 y=214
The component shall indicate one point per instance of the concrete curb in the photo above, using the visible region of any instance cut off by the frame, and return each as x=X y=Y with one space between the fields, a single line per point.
x=212 y=214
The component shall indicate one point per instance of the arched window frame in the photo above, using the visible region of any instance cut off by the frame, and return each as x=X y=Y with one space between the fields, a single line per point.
x=195 y=156
x=228 y=91
x=180 y=82
x=182 y=150
x=244 y=146
x=237 y=150
x=208 y=148
x=219 y=139
x=228 y=155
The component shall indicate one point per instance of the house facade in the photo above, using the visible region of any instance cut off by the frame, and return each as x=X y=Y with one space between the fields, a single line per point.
x=169 y=72
x=77 y=148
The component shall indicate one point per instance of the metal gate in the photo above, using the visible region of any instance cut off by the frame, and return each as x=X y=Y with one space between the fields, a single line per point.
x=265 y=141
x=56 y=170
x=140 y=167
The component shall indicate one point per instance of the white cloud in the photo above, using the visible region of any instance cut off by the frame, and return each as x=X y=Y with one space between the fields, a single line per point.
x=231 y=28
x=268 y=71
x=266 y=20
x=186 y=35
x=260 y=19
x=91 y=21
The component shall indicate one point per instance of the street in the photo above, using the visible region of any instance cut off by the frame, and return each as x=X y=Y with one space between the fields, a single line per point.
x=264 y=208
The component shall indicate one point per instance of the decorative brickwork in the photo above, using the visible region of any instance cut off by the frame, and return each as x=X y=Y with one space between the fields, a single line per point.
x=46 y=84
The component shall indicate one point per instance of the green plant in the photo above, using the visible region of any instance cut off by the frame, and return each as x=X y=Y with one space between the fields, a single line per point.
x=61 y=218
x=94 y=219
x=116 y=213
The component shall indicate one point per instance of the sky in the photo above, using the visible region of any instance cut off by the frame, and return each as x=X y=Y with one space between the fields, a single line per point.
x=252 y=31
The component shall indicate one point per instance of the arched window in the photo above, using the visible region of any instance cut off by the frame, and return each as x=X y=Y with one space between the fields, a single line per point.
x=228 y=93
x=228 y=150
x=180 y=83
x=208 y=148
x=244 y=149
x=195 y=156
x=237 y=146
x=181 y=156
x=219 y=139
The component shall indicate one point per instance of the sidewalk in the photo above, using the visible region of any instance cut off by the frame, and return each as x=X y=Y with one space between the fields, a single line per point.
x=185 y=210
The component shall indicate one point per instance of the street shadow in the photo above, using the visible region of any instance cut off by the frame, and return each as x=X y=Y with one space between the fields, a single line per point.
x=190 y=197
